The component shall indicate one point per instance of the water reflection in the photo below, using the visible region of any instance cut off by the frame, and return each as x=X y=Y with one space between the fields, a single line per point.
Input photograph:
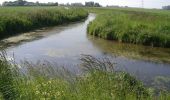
x=66 y=43
x=146 y=63
x=132 y=51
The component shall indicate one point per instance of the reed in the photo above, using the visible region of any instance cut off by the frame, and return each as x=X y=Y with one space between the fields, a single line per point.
x=15 y=20
x=137 y=27
x=99 y=81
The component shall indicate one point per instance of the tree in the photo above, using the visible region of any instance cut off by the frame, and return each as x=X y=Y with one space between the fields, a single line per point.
x=21 y=2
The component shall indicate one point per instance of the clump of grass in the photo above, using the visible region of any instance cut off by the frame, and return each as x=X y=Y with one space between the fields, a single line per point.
x=7 y=78
x=102 y=81
x=14 y=20
x=144 y=28
x=99 y=81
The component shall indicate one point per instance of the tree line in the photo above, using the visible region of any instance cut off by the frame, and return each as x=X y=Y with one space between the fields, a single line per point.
x=26 y=3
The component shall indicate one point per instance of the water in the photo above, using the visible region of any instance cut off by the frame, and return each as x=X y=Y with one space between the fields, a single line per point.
x=67 y=43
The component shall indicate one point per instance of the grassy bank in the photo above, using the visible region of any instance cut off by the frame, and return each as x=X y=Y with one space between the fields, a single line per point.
x=138 y=27
x=44 y=81
x=14 y=20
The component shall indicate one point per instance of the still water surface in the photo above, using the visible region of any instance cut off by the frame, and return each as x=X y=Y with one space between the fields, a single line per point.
x=66 y=43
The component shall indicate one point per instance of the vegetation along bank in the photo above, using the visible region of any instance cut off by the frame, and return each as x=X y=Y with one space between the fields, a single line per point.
x=15 y=20
x=150 y=28
x=44 y=81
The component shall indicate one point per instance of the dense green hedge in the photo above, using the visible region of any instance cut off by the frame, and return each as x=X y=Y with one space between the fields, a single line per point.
x=151 y=29
x=20 y=19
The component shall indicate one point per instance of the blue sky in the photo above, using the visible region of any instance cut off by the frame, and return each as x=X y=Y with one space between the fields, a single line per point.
x=131 y=3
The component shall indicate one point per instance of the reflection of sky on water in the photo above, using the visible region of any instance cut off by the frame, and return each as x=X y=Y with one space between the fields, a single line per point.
x=65 y=47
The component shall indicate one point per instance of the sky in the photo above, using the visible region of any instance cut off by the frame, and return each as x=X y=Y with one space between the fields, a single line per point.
x=130 y=3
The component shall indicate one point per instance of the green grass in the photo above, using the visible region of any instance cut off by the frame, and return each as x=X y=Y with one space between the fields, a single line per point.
x=44 y=81
x=7 y=86
x=144 y=27
x=14 y=20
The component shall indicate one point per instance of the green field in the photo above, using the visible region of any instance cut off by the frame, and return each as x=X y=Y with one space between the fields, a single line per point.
x=15 y=20
x=138 y=26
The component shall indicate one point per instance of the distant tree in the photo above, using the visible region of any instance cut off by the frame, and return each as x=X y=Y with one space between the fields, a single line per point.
x=89 y=4
x=21 y=2
x=56 y=4
x=92 y=4
x=97 y=5
x=25 y=3
x=166 y=7
x=68 y=4
x=37 y=3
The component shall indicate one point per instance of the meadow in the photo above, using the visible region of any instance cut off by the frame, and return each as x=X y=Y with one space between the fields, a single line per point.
x=146 y=27
x=14 y=20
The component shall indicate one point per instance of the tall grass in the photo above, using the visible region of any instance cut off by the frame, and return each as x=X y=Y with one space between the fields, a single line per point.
x=44 y=81
x=144 y=28
x=20 y=19
x=7 y=78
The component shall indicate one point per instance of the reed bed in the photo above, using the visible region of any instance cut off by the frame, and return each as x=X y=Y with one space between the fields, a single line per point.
x=137 y=27
x=15 y=20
